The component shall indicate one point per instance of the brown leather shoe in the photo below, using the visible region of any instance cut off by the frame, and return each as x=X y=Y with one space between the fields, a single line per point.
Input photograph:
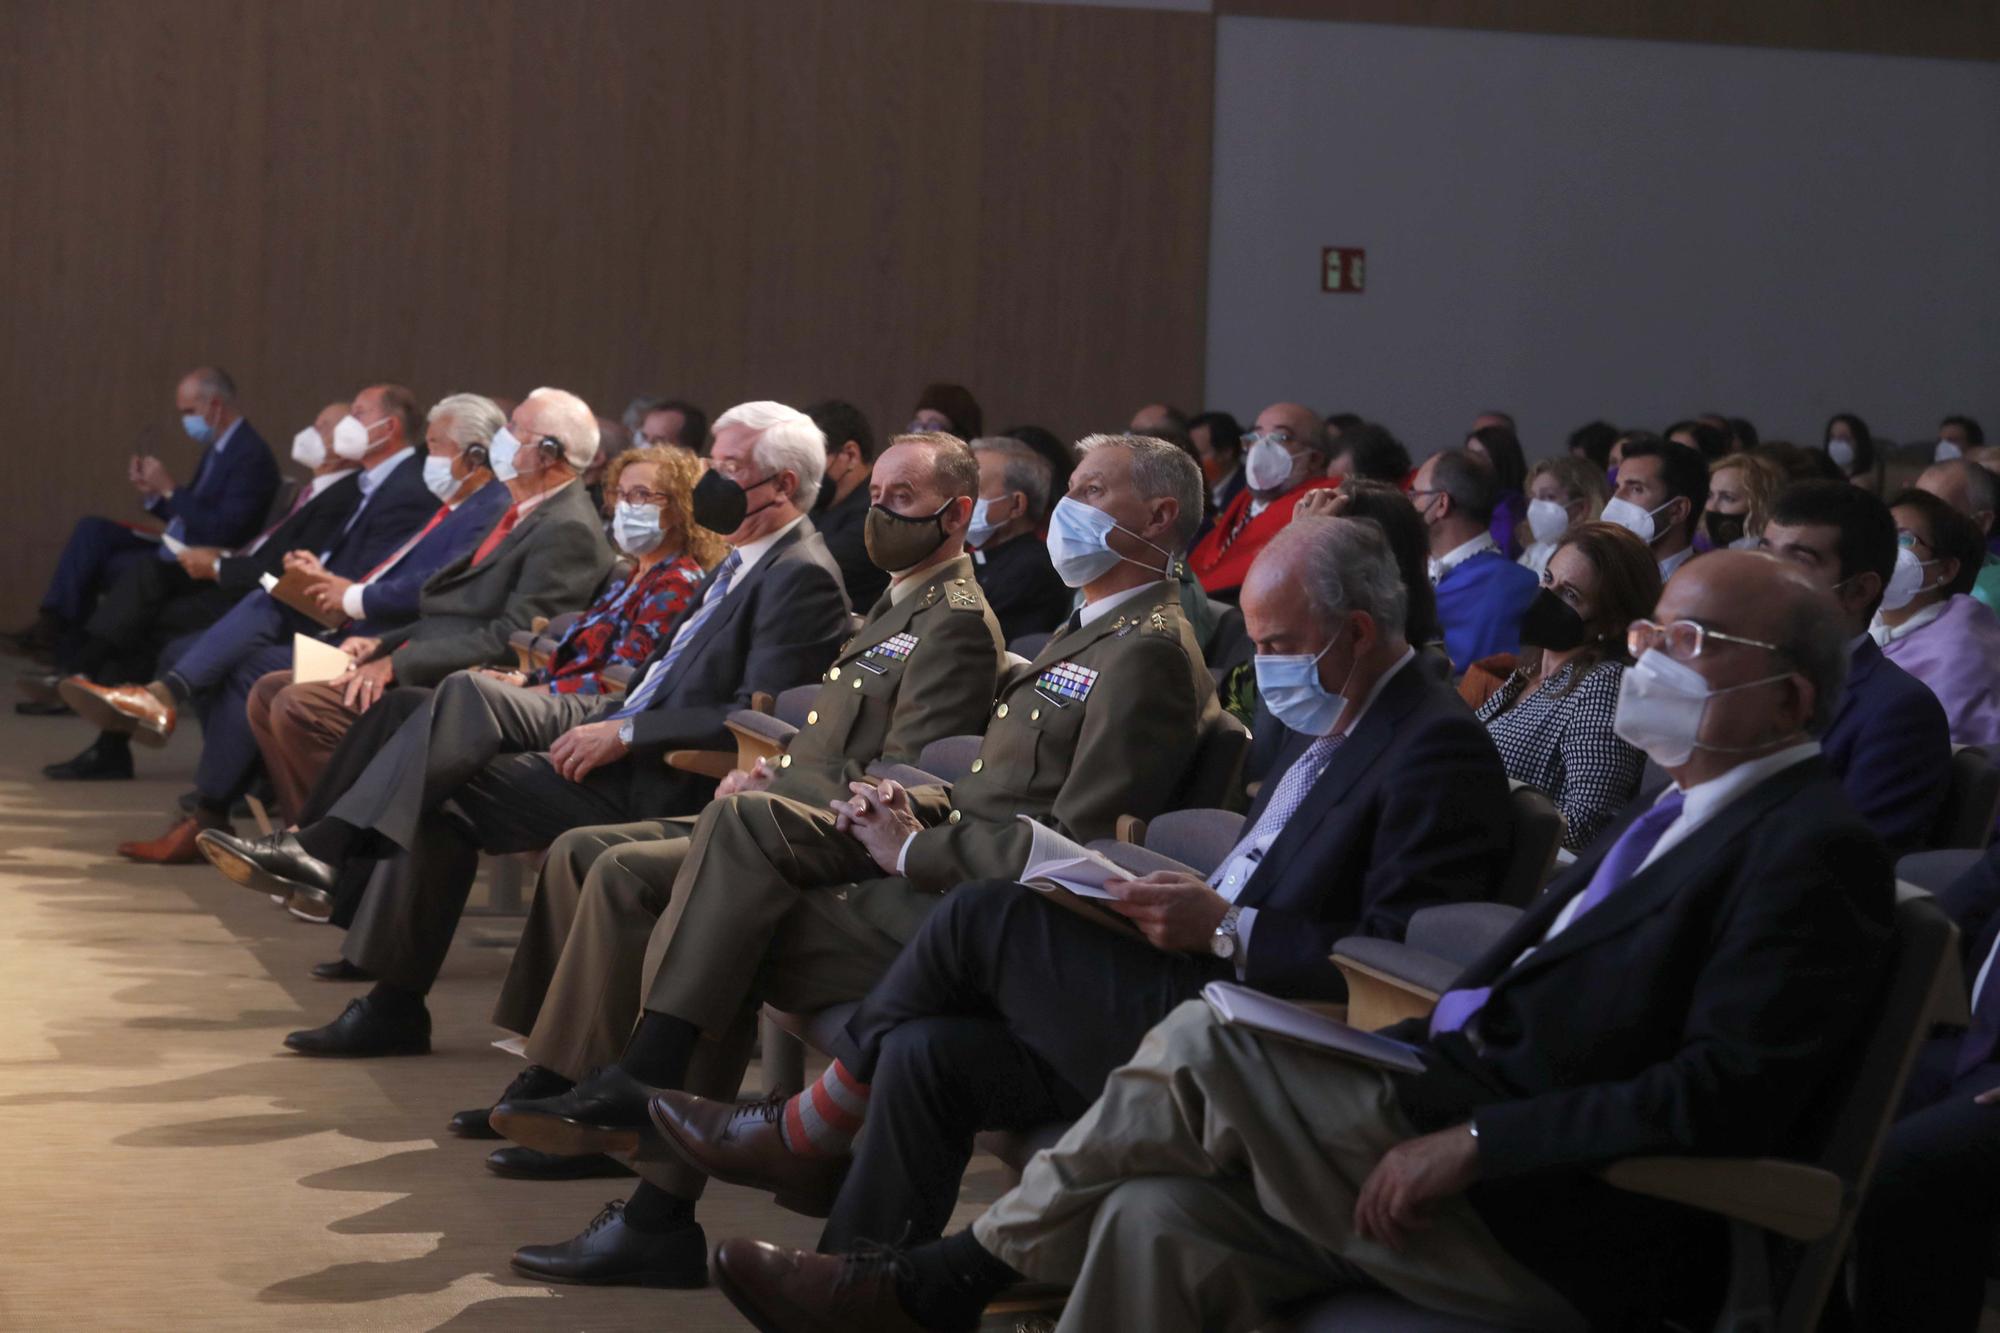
x=175 y=847
x=741 y=1145
x=128 y=708
x=782 y=1290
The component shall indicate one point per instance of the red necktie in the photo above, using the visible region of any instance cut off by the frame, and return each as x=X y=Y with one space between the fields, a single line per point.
x=298 y=503
x=498 y=535
x=406 y=547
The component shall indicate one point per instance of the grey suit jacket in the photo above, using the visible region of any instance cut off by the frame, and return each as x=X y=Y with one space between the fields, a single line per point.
x=552 y=562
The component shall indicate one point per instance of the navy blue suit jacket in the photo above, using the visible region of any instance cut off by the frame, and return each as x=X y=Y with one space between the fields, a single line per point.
x=225 y=502
x=392 y=600
x=1890 y=746
x=400 y=505
x=1412 y=811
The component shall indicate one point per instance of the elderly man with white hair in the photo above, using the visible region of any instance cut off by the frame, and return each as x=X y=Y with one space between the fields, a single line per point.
x=518 y=768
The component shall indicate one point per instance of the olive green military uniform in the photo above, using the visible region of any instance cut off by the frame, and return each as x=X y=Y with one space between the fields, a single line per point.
x=923 y=666
x=772 y=903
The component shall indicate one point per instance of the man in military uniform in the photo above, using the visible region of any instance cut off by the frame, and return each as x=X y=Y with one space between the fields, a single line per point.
x=806 y=905
x=922 y=667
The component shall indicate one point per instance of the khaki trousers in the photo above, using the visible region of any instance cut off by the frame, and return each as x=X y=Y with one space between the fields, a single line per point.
x=298 y=727
x=1215 y=1179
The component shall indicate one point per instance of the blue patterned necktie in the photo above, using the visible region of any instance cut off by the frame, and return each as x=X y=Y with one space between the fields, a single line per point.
x=1456 y=1008
x=1286 y=799
x=711 y=601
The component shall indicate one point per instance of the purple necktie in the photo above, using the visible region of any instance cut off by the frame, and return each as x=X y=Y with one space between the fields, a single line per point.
x=1456 y=1008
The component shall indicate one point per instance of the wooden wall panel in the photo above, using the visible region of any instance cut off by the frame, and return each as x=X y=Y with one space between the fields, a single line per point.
x=719 y=199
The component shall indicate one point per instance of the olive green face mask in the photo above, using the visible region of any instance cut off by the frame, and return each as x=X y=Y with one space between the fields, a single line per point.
x=896 y=541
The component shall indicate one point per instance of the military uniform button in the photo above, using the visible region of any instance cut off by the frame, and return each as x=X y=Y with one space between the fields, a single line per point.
x=978 y=764
x=857 y=682
x=1035 y=716
x=834 y=674
x=954 y=817
x=785 y=762
x=1001 y=711
x=812 y=718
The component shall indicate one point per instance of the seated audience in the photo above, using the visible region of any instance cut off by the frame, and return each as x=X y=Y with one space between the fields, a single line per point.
x=841 y=511
x=1155 y=417
x=1501 y=449
x=1661 y=491
x=1562 y=492
x=1707 y=437
x=1940 y=634
x=1850 y=446
x=1061 y=456
x=1593 y=441
x=1223 y=1176
x=1958 y=436
x=949 y=408
x=223 y=505
x=1552 y=719
x=805 y=907
x=1390 y=801
x=672 y=422
x=1284 y=458
x=1491 y=418
x=1011 y=561
x=1975 y=492
x=1368 y=451
x=1218 y=444
x=1741 y=488
x=1481 y=594
x=1887 y=740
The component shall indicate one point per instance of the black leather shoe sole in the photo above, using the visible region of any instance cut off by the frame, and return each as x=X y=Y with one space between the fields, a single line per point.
x=686 y=1269
x=340 y=970
x=240 y=869
x=567 y=1138
x=519 y=1163
x=368 y=1050
x=473 y=1125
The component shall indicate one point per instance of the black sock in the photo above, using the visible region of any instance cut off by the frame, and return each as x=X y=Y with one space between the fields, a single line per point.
x=329 y=840
x=394 y=1000
x=177 y=687
x=653 y=1209
x=660 y=1049
x=111 y=743
x=951 y=1281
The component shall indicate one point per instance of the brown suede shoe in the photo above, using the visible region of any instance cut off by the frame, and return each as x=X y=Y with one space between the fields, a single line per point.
x=741 y=1145
x=783 y=1291
x=128 y=708
x=175 y=847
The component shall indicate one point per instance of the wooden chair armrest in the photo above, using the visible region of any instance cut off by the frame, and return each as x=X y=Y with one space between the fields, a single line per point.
x=1790 y=1198
x=538 y=624
x=1377 y=1000
x=707 y=763
x=764 y=738
x=614 y=689
x=1132 y=829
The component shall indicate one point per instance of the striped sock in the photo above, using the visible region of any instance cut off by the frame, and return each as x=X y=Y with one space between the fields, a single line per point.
x=823 y=1120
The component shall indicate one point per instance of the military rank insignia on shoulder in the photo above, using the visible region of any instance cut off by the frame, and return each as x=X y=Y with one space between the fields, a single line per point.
x=961 y=595
x=1157 y=621
x=896 y=648
x=1065 y=683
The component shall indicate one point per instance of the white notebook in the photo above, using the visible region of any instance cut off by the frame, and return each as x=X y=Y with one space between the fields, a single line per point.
x=1249 y=1008
x=313 y=661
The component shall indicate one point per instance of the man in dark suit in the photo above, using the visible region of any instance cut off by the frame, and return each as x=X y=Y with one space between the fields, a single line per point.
x=223 y=504
x=1391 y=798
x=521 y=767
x=841 y=511
x=1889 y=742
x=1014 y=570
x=1687 y=987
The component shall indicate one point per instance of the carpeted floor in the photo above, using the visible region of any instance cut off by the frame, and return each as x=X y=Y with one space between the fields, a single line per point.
x=164 y=1163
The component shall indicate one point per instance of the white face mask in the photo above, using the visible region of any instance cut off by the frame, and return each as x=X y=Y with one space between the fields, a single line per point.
x=1267 y=466
x=308 y=449
x=351 y=438
x=438 y=479
x=1841 y=452
x=1946 y=451
x=1660 y=707
x=1547 y=520
x=1906 y=581
x=982 y=528
x=500 y=454
x=1078 y=542
x=1637 y=521
x=636 y=528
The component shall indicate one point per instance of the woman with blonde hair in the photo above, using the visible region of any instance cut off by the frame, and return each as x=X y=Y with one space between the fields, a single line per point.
x=1741 y=490
x=1562 y=492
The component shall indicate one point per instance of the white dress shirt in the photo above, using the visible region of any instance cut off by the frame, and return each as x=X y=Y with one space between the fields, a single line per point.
x=1674 y=562
x=1886 y=634
x=1442 y=565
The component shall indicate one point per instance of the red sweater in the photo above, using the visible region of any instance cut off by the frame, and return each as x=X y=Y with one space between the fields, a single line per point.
x=1221 y=560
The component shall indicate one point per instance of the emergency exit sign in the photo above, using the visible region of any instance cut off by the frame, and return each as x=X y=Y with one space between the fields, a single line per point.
x=1343 y=269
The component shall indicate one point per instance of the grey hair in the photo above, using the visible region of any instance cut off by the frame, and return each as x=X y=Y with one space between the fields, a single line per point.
x=214 y=382
x=569 y=419
x=1021 y=469
x=469 y=418
x=1810 y=636
x=1347 y=566
x=1160 y=471
x=1470 y=482
x=637 y=410
x=787 y=441
x=1982 y=488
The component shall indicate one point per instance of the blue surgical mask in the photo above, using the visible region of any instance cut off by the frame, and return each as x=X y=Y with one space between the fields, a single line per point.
x=1078 y=542
x=636 y=528
x=1289 y=685
x=197 y=427
x=500 y=454
x=982 y=529
x=438 y=479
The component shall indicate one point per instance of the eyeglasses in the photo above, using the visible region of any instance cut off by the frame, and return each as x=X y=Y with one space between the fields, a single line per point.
x=1683 y=640
x=639 y=495
x=1284 y=439
x=1910 y=541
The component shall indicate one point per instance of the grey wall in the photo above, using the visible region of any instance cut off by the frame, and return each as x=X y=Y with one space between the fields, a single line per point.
x=1575 y=227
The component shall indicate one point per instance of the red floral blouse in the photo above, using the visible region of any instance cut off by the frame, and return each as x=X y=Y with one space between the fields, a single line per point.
x=622 y=627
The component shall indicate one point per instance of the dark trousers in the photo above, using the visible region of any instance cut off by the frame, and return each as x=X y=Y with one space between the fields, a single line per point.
x=349 y=760
x=97 y=550
x=1004 y=1012
x=1924 y=1240
x=145 y=604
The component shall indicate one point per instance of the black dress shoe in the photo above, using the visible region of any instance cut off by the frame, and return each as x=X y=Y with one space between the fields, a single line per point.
x=340 y=970
x=610 y=1254
x=606 y=1113
x=99 y=763
x=36 y=708
x=518 y=1163
x=274 y=863
x=532 y=1082
x=364 y=1029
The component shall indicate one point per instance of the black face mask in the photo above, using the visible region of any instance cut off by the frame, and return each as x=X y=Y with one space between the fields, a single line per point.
x=896 y=541
x=1552 y=623
x=720 y=505
x=1723 y=528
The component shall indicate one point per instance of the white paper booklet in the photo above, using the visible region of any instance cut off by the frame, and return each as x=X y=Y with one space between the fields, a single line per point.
x=1063 y=860
x=1249 y=1008
x=313 y=661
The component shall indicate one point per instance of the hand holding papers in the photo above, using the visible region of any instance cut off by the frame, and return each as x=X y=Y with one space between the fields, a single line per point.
x=313 y=661
x=1243 y=1007
x=1166 y=902
x=295 y=591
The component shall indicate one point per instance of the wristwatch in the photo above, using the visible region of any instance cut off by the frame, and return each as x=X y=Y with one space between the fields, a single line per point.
x=1223 y=943
x=625 y=732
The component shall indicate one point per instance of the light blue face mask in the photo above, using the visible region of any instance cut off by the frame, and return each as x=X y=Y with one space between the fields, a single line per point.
x=636 y=528
x=197 y=427
x=438 y=479
x=1079 y=542
x=1288 y=683
x=981 y=529
x=500 y=454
